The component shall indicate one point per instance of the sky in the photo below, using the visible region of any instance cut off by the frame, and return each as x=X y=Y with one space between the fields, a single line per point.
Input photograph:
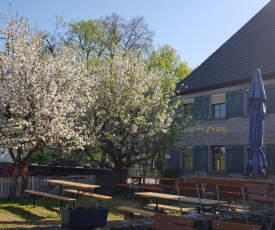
x=195 y=28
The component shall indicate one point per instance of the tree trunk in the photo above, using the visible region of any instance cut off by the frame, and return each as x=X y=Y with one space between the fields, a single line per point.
x=24 y=176
x=120 y=176
x=14 y=180
x=19 y=169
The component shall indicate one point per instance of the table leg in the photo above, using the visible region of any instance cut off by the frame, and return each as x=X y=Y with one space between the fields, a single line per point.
x=143 y=180
x=125 y=191
x=60 y=192
x=271 y=218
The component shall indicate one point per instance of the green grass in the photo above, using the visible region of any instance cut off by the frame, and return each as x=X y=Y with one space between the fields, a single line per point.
x=16 y=213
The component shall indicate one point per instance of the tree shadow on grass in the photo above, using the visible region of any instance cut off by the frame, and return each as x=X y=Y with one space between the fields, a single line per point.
x=52 y=209
x=48 y=204
x=22 y=213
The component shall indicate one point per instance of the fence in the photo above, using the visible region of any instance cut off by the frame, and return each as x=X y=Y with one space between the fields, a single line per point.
x=144 y=172
x=35 y=183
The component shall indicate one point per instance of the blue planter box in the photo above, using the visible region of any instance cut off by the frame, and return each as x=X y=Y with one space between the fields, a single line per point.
x=83 y=218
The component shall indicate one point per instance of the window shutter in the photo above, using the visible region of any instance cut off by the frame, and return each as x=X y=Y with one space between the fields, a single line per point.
x=270 y=95
x=270 y=158
x=174 y=160
x=235 y=158
x=234 y=103
x=201 y=107
x=200 y=158
x=229 y=103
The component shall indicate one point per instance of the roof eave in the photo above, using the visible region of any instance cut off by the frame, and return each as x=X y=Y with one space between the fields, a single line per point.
x=187 y=90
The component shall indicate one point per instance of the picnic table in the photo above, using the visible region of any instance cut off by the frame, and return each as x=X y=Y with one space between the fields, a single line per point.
x=172 y=197
x=257 y=196
x=77 y=185
x=144 y=187
x=62 y=183
x=165 y=183
x=74 y=178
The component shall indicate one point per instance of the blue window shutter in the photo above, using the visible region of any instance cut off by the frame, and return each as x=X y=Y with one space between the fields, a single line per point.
x=235 y=158
x=229 y=103
x=270 y=158
x=201 y=107
x=270 y=95
x=234 y=103
x=200 y=158
x=174 y=160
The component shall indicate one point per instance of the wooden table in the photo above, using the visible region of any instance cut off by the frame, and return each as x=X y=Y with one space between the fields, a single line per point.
x=127 y=187
x=82 y=186
x=72 y=183
x=141 y=180
x=167 y=183
x=186 y=199
x=164 y=179
x=137 y=180
x=71 y=178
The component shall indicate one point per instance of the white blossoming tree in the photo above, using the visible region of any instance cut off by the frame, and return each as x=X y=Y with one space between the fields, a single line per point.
x=39 y=94
x=132 y=115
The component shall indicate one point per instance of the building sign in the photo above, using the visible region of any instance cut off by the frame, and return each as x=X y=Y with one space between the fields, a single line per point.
x=206 y=130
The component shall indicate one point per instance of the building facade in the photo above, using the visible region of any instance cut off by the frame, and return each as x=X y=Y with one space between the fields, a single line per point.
x=216 y=94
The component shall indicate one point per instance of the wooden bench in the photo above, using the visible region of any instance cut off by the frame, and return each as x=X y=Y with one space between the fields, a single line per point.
x=140 y=188
x=99 y=197
x=168 y=188
x=143 y=187
x=193 y=189
x=164 y=222
x=146 y=188
x=221 y=182
x=48 y=195
x=82 y=193
x=131 y=211
x=163 y=208
x=224 y=225
x=231 y=194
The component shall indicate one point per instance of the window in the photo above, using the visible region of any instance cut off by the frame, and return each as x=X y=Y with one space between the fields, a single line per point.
x=218 y=158
x=218 y=105
x=219 y=110
x=185 y=110
x=189 y=110
x=187 y=162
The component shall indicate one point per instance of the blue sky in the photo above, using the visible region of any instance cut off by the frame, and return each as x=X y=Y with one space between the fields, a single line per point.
x=195 y=28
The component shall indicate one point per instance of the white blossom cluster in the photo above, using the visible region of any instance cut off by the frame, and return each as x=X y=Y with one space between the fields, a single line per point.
x=40 y=91
x=131 y=111
x=58 y=99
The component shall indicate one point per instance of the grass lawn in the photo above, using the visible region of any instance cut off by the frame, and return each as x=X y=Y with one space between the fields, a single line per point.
x=16 y=214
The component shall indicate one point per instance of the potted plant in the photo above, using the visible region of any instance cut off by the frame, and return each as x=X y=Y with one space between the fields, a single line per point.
x=84 y=217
